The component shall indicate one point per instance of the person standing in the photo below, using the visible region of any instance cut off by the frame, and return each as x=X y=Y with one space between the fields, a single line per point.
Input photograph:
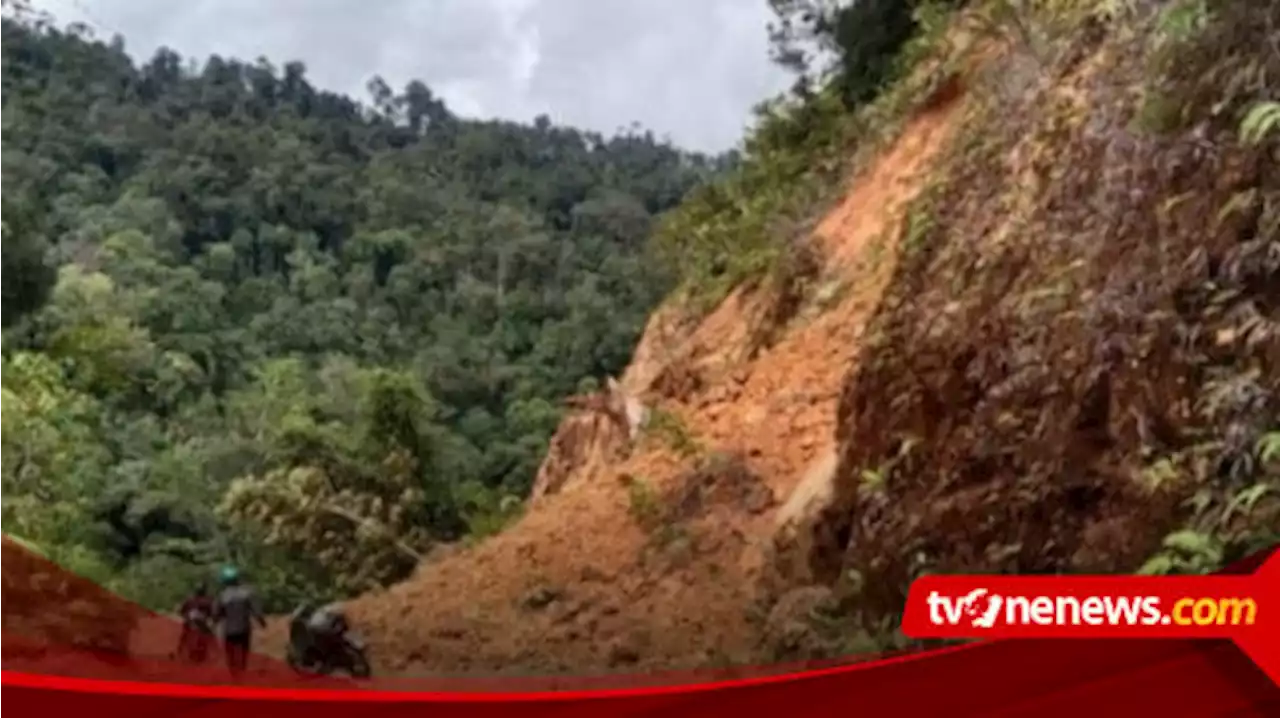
x=237 y=609
x=195 y=613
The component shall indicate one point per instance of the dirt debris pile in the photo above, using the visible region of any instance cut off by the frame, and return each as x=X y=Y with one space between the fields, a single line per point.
x=600 y=432
x=733 y=409
x=1016 y=310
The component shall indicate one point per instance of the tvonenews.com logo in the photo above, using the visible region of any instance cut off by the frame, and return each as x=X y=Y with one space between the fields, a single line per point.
x=983 y=609
x=1239 y=607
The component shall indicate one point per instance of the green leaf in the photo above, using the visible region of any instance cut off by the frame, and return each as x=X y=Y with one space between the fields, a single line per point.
x=1244 y=501
x=1261 y=121
x=1269 y=446
x=1158 y=565
x=1190 y=542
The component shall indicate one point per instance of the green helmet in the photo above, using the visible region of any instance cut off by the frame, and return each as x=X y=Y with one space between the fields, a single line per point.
x=229 y=574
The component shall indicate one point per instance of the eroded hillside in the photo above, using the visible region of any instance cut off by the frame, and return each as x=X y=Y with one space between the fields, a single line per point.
x=1075 y=369
x=646 y=553
x=1039 y=321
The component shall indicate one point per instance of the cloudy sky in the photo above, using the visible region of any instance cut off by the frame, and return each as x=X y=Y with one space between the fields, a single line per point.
x=688 y=69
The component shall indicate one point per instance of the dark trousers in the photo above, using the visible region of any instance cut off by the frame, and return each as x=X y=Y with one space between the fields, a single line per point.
x=193 y=643
x=237 y=648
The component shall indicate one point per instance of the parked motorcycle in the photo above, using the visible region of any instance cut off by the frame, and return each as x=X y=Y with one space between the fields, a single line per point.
x=323 y=652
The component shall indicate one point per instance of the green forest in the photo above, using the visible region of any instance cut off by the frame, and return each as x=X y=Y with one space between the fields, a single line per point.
x=249 y=320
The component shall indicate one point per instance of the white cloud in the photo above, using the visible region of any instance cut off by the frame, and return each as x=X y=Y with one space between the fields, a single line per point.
x=691 y=69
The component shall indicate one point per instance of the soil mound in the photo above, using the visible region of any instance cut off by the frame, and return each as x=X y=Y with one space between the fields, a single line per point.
x=643 y=547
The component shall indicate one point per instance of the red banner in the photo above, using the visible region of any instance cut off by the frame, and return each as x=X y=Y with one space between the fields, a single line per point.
x=1189 y=665
x=1244 y=609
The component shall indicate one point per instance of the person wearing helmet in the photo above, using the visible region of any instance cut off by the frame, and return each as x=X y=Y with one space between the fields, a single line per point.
x=237 y=609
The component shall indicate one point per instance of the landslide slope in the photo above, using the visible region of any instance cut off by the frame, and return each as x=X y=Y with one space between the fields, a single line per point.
x=644 y=552
x=1076 y=366
x=1043 y=338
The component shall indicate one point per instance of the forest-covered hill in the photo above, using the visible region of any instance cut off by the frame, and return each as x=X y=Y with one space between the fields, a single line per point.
x=367 y=312
x=249 y=320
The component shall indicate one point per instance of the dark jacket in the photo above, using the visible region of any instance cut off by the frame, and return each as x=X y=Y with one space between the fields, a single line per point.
x=237 y=608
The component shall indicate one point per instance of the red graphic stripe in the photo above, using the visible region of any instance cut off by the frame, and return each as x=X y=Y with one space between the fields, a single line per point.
x=1033 y=677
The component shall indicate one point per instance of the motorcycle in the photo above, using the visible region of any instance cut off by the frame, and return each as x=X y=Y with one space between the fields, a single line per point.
x=324 y=654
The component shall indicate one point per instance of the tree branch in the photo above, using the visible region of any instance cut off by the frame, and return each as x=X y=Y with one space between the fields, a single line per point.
x=362 y=521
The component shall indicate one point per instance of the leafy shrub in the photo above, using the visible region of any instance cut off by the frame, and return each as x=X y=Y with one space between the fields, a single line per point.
x=738 y=229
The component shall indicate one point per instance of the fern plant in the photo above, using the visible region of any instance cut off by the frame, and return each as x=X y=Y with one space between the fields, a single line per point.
x=1260 y=122
x=1185 y=552
x=1224 y=527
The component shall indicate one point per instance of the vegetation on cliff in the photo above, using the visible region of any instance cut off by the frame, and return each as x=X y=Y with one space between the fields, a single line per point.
x=1075 y=369
x=752 y=223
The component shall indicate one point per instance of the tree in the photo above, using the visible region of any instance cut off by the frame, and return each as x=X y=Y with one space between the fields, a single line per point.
x=30 y=276
x=857 y=42
x=366 y=532
x=256 y=283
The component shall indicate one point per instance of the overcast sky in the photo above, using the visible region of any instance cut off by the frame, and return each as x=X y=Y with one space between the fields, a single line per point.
x=689 y=69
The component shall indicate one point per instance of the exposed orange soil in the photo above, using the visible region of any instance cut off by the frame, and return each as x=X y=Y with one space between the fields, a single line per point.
x=577 y=585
